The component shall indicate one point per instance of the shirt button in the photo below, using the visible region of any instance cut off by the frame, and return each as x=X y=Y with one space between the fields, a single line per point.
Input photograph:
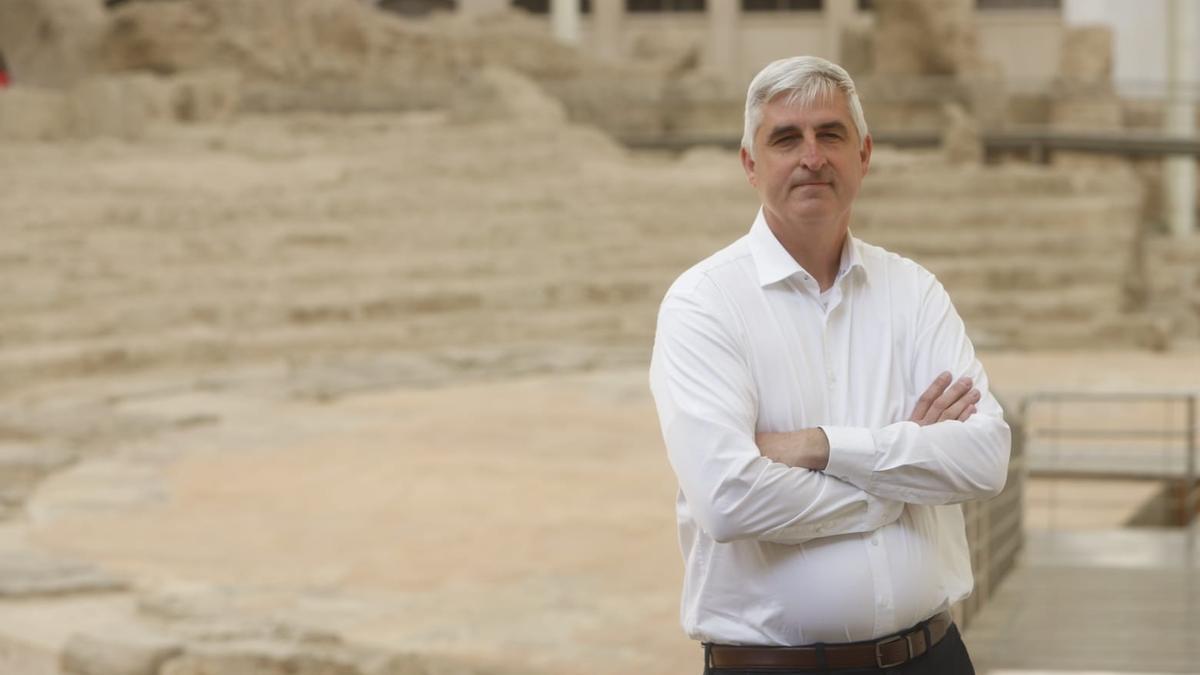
x=875 y=540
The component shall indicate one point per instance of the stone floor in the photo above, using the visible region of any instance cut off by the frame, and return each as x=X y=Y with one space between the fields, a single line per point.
x=1101 y=601
x=458 y=523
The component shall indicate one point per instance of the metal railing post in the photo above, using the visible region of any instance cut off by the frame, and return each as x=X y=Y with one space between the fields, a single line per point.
x=1189 y=491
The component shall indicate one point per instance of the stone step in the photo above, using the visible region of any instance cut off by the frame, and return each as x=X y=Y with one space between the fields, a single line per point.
x=1173 y=250
x=906 y=181
x=71 y=285
x=1020 y=275
x=1045 y=244
x=1080 y=215
x=338 y=301
x=369 y=298
x=180 y=346
x=1067 y=305
x=1107 y=329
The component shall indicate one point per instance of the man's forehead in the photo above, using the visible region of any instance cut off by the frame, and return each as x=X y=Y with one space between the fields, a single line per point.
x=822 y=109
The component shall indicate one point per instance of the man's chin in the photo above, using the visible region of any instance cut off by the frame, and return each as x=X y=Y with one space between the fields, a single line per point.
x=811 y=208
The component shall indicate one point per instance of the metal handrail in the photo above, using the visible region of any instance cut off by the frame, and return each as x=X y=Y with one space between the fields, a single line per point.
x=1113 y=433
x=1037 y=140
x=1189 y=433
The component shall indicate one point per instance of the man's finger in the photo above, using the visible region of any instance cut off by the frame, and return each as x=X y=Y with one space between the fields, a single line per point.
x=960 y=406
x=967 y=413
x=935 y=390
x=948 y=398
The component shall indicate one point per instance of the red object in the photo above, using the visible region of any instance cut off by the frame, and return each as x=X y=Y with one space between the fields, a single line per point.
x=3 y=79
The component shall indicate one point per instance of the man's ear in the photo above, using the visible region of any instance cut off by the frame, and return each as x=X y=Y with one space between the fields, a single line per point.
x=748 y=166
x=864 y=155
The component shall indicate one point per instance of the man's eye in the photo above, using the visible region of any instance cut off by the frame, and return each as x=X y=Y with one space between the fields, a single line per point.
x=785 y=140
x=830 y=136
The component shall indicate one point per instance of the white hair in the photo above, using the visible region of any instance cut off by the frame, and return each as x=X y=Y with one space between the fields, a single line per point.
x=805 y=79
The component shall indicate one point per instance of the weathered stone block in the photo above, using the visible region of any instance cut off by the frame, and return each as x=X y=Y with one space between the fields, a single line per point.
x=33 y=114
x=925 y=37
x=23 y=466
x=1087 y=55
x=51 y=43
x=279 y=658
x=961 y=140
x=503 y=94
x=117 y=655
x=29 y=574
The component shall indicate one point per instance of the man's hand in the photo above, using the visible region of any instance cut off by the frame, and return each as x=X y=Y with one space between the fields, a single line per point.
x=944 y=401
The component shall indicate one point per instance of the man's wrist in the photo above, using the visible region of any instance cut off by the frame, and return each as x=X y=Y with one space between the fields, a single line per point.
x=806 y=449
x=818 y=445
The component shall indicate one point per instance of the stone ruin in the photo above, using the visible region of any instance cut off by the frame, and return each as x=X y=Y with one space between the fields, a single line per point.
x=115 y=72
x=915 y=38
x=921 y=69
x=1085 y=97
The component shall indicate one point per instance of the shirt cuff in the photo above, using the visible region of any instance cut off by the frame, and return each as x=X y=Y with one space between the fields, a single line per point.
x=851 y=454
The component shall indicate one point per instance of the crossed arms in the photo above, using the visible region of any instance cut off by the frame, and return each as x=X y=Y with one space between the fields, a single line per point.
x=809 y=448
x=796 y=486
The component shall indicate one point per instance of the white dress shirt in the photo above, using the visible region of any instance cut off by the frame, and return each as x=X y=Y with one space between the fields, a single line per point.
x=875 y=543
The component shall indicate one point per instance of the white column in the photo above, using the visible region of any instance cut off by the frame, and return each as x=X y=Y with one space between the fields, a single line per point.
x=606 y=27
x=722 y=38
x=564 y=16
x=1181 y=115
x=838 y=13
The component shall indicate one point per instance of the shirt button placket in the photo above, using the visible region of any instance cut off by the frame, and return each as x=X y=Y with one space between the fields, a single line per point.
x=830 y=375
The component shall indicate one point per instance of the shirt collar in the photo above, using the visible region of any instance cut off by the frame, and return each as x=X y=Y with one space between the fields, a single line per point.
x=774 y=263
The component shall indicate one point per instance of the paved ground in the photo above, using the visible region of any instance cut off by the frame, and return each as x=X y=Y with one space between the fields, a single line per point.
x=1113 y=601
x=526 y=519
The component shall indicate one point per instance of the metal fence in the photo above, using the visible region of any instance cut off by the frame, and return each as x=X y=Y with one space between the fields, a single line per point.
x=1116 y=435
x=995 y=530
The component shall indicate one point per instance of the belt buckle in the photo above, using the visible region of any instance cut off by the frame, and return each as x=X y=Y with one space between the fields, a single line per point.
x=896 y=638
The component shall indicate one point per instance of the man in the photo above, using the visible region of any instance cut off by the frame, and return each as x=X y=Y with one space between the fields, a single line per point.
x=804 y=389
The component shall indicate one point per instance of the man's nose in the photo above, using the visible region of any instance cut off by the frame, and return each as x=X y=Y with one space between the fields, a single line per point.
x=811 y=155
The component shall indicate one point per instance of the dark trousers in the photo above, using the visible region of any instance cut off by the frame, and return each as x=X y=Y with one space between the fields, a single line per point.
x=948 y=657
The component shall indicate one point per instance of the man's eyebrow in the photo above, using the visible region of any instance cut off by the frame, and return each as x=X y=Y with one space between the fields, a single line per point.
x=783 y=130
x=833 y=126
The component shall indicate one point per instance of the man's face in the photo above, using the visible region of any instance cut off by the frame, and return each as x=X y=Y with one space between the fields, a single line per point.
x=808 y=162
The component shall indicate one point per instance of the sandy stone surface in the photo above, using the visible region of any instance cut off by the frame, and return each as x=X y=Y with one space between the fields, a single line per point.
x=533 y=515
x=527 y=519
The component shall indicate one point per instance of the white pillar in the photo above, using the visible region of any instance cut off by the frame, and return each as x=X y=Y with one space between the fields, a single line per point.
x=722 y=39
x=838 y=14
x=606 y=27
x=1181 y=115
x=564 y=16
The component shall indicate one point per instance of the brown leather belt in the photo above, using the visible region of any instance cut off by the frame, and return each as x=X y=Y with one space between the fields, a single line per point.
x=886 y=652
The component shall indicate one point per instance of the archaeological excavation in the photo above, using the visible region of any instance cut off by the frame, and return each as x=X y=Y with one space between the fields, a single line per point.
x=326 y=329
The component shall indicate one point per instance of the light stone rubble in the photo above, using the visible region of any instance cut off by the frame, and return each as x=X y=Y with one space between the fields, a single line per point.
x=26 y=574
